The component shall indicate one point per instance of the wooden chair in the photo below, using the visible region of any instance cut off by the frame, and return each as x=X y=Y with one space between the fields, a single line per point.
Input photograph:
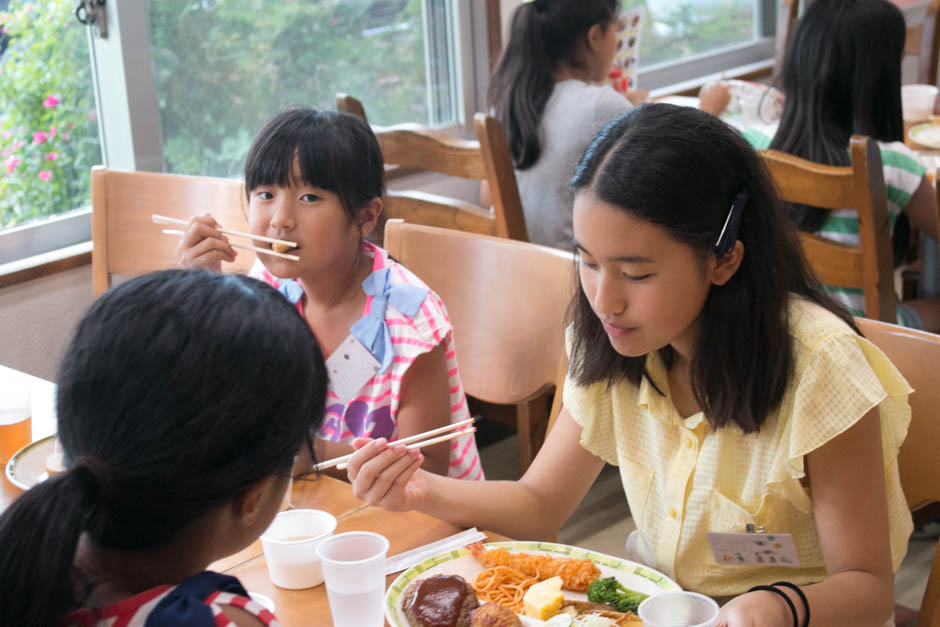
x=917 y=355
x=415 y=147
x=861 y=187
x=507 y=302
x=127 y=243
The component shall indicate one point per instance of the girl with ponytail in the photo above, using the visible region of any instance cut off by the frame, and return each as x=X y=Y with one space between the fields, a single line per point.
x=544 y=91
x=183 y=398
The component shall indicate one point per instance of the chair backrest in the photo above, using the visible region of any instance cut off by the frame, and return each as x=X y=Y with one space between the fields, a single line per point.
x=127 y=243
x=861 y=187
x=506 y=300
x=917 y=355
x=416 y=147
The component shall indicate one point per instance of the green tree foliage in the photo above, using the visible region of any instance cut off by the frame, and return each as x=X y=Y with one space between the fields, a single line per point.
x=48 y=130
x=222 y=67
x=692 y=27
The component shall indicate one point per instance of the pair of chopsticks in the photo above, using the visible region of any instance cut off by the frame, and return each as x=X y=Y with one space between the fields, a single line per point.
x=158 y=219
x=456 y=430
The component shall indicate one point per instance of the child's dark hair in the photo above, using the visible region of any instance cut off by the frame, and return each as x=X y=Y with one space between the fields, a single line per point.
x=337 y=152
x=681 y=168
x=179 y=391
x=841 y=75
x=543 y=34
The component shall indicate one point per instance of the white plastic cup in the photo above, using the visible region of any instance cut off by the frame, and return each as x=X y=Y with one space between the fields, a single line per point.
x=290 y=547
x=917 y=102
x=354 y=572
x=678 y=609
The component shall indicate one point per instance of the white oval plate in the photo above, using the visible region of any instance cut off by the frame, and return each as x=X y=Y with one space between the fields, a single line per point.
x=27 y=467
x=926 y=134
x=460 y=562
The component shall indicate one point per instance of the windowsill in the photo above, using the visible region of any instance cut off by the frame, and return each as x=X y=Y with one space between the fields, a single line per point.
x=751 y=71
x=29 y=268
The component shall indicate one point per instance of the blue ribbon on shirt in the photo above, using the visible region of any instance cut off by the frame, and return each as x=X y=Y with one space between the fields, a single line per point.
x=291 y=290
x=372 y=330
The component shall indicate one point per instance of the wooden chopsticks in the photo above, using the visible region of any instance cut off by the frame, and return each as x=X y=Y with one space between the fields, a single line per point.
x=457 y=429
x=158 y=219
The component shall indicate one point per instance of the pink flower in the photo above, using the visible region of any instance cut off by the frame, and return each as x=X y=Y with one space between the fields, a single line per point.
x=18 y=145
x=92 y=116
x=39 y=137
x=7 y=134
x=4 y=31
x=45 y=175
x=52 y=156
x=66 y=136
x=11 y=164
x=334 y=21
x=53 y=131
x=70 y=125
x=51 y=101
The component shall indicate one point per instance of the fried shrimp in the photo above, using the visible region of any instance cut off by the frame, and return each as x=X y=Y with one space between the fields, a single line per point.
x=575 y=574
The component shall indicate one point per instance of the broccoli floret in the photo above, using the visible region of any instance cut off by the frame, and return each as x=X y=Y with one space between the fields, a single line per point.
x=610 y=591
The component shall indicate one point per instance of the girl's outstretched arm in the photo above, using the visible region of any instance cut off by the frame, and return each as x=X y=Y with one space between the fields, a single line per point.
x=535 y=507
x=424 y=404
x=921 y=209
x=849 y=504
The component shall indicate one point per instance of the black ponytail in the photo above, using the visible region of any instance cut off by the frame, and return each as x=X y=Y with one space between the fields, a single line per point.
x=543 y=35
x=41 y=528
x=179 y=391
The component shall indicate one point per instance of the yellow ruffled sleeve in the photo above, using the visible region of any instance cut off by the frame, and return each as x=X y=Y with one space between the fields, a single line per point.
x=591 y=407
x=837 y=382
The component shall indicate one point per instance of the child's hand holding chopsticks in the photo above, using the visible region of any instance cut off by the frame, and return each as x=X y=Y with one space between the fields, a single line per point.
x=203 y=245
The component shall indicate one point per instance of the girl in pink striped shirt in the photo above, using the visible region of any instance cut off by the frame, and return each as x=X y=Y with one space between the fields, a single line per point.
x=316 y=178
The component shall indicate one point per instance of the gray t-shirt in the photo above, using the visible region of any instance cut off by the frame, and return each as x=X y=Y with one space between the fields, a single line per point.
x=574 y=113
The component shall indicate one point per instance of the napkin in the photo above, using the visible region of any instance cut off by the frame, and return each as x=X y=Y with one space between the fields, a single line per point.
x=407 y=559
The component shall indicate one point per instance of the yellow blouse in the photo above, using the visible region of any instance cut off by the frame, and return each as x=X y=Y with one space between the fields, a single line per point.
x=683 y=479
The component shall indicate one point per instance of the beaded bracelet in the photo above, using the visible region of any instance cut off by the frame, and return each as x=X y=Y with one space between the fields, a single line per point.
x=783 y=595
x=799 y=593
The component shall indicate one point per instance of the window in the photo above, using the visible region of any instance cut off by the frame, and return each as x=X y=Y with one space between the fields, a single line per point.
x=685 y=39
x=222 y=67
x=48 y=125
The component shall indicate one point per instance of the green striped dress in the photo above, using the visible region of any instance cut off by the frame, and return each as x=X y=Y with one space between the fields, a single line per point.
x=903 y=175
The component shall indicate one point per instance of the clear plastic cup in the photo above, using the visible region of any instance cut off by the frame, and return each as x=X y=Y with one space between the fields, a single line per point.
x=354 y=572
x=917 y=102
x=290 y=547
x=678 y=609
x=15 y=420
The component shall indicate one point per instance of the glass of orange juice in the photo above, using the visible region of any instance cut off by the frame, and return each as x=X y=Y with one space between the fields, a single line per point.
x=15 y=421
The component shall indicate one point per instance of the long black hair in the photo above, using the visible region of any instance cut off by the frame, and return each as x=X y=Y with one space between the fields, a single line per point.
x=681 y=168
x=543 y=35
x=841 y=75
x=337 y=152
x=180 y=390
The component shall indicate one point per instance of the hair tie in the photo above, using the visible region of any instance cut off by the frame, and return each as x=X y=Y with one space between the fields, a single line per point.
x=102 y=480
x=782 y=595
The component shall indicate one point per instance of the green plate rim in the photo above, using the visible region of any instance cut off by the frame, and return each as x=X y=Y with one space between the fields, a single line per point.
x=17 y=456
x=395 y=590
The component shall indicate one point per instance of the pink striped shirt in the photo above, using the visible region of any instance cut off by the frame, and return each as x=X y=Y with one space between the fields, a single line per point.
x=373 y=410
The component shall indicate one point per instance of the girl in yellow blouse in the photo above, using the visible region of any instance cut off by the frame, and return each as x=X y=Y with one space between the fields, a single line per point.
x=709 y=366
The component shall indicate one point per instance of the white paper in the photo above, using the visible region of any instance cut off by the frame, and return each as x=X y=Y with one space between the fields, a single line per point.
x=407 y=559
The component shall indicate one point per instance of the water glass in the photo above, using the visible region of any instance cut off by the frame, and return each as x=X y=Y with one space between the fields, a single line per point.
x=678 y=609
x=354 y=573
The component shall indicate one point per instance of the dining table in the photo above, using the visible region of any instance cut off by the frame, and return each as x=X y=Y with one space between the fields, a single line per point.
x=404 y=530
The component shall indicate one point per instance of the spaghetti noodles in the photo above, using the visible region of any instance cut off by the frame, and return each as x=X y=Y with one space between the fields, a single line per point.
x=504 y=586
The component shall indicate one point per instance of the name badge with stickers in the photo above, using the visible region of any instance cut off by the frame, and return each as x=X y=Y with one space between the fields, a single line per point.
x=350 y=367
x=753 y=549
